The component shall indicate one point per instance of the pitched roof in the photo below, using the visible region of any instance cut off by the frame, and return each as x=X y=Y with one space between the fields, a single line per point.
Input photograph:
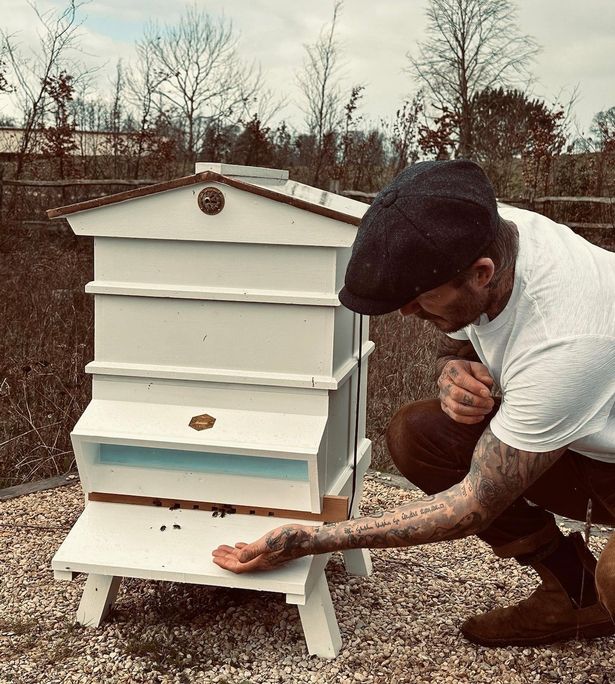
x=290 y=192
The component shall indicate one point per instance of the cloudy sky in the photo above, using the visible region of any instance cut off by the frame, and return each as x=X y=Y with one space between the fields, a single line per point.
x=577 y=39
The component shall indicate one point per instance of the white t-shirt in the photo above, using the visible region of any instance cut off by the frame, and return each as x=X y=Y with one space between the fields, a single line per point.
x=552 y=349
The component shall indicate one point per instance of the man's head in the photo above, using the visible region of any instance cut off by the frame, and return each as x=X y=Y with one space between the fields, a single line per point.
x=482 y=287
x=421 y=233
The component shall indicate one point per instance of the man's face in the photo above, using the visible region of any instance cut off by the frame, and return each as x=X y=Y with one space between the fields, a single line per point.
x=449 y=308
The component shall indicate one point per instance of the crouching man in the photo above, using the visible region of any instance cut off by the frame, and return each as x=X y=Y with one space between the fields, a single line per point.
x=524 y=426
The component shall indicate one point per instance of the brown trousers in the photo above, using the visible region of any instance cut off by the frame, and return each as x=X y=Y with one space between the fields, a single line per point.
x=434 y=453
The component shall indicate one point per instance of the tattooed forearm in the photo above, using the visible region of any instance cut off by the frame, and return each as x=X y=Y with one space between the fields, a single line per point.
x=498 y=475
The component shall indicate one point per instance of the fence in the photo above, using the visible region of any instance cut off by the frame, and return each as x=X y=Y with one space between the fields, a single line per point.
x=24 y=202
x=591 y=217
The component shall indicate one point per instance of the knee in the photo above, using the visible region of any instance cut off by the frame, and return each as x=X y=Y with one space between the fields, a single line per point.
x=404 y=436
x=605 y=576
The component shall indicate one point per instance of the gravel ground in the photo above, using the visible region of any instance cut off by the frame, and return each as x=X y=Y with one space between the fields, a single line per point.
x=400 y=625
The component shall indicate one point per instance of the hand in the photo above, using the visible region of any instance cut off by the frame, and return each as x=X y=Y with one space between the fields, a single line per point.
x=270 y=551
x=465 y=391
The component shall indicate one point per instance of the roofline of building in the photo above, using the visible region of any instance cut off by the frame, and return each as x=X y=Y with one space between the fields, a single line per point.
x=204 y=177
x=19 y=129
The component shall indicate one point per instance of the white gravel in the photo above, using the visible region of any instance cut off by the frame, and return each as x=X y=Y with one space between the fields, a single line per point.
x=400 y=625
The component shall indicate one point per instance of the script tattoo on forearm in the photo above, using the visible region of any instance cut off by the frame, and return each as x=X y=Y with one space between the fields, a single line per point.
x=497 y=476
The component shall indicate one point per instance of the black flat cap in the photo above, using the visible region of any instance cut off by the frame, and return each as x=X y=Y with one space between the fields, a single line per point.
x=431 y=222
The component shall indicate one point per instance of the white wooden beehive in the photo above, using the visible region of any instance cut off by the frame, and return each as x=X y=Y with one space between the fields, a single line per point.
x=232 y=315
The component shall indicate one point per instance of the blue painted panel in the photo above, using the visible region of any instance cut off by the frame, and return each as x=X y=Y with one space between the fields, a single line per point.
x=203 y=462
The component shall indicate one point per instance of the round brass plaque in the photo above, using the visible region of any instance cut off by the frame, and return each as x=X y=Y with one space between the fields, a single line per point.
x=211 y=201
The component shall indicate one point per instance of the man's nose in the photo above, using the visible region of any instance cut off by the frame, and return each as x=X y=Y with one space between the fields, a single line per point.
x=409 y=308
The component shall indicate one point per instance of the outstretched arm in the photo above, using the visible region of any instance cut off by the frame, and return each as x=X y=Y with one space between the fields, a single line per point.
x=498 y=475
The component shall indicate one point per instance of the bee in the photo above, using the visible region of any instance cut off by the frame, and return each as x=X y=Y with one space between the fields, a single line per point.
x=163 y=528
x=177 y=527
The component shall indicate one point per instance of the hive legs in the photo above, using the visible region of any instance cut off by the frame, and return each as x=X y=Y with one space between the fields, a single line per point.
x=98 y=598
x=358 y=562
x=320 y=628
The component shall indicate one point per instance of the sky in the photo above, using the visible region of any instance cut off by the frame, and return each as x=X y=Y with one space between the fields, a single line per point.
x=577 y=40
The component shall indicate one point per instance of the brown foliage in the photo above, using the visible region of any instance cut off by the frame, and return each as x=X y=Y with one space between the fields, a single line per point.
x=43 y=388
x=401 y=370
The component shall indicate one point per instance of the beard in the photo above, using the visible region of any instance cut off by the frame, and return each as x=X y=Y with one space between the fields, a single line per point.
x=466 y=309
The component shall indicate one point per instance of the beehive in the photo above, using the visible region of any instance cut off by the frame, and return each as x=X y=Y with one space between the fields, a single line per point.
x=226 y=395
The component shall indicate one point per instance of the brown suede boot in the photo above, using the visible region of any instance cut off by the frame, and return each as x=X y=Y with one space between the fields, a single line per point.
x=546 y=616
x=605 y=576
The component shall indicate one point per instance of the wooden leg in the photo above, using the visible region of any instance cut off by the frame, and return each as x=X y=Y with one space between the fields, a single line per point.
x=322 y=634
x=98 y=598
x=358 y=562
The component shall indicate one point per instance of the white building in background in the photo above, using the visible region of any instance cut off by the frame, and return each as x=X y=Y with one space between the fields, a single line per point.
x=89 y=143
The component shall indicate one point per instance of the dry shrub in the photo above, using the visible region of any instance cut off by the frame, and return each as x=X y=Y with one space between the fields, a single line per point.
x=45 y=343
x=401 y=370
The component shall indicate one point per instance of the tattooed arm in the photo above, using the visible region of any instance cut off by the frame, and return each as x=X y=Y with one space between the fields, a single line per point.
x=498 y=475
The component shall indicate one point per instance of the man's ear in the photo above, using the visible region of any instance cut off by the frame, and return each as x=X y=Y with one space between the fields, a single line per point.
x=482 y=272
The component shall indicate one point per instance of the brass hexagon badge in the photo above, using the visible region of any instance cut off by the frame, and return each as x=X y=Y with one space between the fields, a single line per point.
x=202 y=422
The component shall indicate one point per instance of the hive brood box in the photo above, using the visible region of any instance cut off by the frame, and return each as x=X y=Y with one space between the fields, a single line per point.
x=226 y=394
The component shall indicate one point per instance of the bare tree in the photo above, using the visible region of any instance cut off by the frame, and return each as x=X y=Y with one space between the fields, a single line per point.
x=5 y=86
x=471 y=45
x=59 y=138
x=602 y=145
x=320 y=84
x=403 y=133
x=198 y=73
x=603 y=130
x=58 y=37
x=142 y=83
x=116 y=115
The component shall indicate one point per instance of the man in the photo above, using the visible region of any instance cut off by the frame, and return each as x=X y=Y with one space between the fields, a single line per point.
x=529 y=312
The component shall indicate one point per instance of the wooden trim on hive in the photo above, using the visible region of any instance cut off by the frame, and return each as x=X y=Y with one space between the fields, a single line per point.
x=204 y=177
x=334 y=508
x=122 y=288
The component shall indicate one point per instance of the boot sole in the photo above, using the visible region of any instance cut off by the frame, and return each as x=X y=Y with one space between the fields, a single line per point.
x=601 y=629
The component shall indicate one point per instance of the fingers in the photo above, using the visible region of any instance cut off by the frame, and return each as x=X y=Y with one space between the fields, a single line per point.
x=468 y=403
x=271 y=550
x=229 y=558
x=469 y=382
x=466 y=383
x=480 y=372
x=462 y=409
x=459 y=418
x=463 y=402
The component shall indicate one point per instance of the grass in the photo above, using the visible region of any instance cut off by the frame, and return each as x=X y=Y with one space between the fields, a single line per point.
x=46 y=342
x=17 y=626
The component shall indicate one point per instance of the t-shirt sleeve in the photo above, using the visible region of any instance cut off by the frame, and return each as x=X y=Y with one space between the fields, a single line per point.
x=459 y=335
x=556 y=393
